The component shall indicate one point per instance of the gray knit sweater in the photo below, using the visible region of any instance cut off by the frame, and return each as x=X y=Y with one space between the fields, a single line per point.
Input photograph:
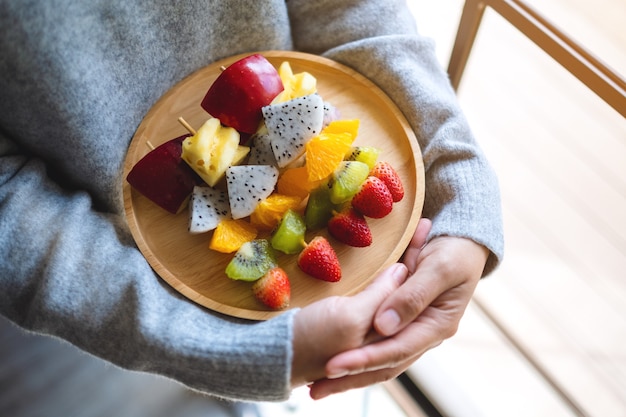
x=76 y=79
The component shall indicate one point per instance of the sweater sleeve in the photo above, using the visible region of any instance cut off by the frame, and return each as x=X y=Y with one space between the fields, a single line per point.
x=462 y=192
x=73 y=272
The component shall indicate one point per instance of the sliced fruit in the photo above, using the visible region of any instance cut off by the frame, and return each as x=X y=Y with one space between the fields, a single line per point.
x=269 y=211
x=295 y=85
x=350 y=126
x=367 y=154
x=324 y=153
x=289 y=235
x=319 y=260
x=292 y=124
x=163 y=177
x=331 y=113
x=373 y=198
x=390 y=177
x=251 y=261
x=230 y=234
x=208 y=207
x=346 y=180
x=295 y=182
x=273 y=289
x=241 y=90
x=261 y=150
x=350 y=227
x=319 y=208
x=211 y=150
x=248 y=185
x=240 y=154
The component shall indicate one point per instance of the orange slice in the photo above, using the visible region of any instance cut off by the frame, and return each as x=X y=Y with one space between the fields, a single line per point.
x=269 y=211
x=324 y=153
x=230 y=234
x=295 y=182
x=350 y=126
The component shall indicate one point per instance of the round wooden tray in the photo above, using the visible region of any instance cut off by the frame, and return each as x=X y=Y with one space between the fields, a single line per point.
x=185 y=262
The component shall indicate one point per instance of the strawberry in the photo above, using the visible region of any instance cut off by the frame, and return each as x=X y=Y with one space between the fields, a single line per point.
x=350 y=227
x=390 y=177
x=373 y=198
x=273 y=289
x=319 y=260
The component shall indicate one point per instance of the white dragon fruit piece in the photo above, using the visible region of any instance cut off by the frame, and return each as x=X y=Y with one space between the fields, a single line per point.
x=208 y=206
x=292 y=124
x=331 y=113
x=248 y=185
x=261 y=150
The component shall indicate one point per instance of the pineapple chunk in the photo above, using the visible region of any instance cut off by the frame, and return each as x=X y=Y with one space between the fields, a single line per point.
x=211 y=150
x=240 y=154
x=295 y=85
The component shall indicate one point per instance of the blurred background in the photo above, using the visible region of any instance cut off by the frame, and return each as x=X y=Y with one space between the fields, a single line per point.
x=545 y=334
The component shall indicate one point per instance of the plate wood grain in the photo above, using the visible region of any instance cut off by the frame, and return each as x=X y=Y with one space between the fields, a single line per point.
x=184 y=260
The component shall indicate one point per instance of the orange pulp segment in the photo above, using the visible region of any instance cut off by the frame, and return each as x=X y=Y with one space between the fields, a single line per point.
x=269 y=211
x=295 y=182
x=324 y=153
x=230 y=234
x=350 y=126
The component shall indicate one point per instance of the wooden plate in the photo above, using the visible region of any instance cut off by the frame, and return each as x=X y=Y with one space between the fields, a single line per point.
x=184 y=260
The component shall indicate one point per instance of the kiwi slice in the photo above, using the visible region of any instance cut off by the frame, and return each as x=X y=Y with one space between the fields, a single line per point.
x=251 y=261
x=346 y=180
x=289 y=233
x=319 y=208
x=366 y=154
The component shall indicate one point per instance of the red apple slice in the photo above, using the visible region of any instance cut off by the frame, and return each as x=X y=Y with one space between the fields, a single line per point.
x=163 y=177
x=240 y=91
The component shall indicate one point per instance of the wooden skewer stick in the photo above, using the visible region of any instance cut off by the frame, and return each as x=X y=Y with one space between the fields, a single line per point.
x=150 y=145
x=186 y=126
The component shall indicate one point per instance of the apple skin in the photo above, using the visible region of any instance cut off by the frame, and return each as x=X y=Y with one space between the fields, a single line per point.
x=240 y=91
x=164 y=177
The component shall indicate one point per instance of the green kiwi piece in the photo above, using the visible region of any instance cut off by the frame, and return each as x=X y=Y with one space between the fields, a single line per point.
x=319 y=208
x=289 y=233
x=251 y=261
x=346 y=180
x=366 y=154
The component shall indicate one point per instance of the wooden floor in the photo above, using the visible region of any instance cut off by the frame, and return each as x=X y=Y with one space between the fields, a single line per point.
x=546 y=334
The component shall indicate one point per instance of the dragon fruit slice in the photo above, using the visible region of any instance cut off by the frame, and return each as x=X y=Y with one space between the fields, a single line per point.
x=248 y=185
x=208 y=206
x=261 y=150
x=331 y=113
x=292 y=124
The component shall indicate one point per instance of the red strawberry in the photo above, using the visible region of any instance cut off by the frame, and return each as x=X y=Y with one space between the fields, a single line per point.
x=390 y=177
x=273 y=289
x=319 y=260
x=350 y=227
x=373 y=198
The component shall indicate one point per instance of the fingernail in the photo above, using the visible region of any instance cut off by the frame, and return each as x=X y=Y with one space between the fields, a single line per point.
x=400 y=272
x=318 y=395
x=388 y=322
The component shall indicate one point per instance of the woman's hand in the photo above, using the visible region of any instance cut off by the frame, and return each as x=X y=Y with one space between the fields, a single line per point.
x=336 y=324
x=419 y=315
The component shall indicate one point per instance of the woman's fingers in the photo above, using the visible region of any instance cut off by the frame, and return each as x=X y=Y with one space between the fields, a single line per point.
x=411 y=254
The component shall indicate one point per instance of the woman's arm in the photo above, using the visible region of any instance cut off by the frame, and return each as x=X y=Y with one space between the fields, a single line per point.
x=73 y=272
